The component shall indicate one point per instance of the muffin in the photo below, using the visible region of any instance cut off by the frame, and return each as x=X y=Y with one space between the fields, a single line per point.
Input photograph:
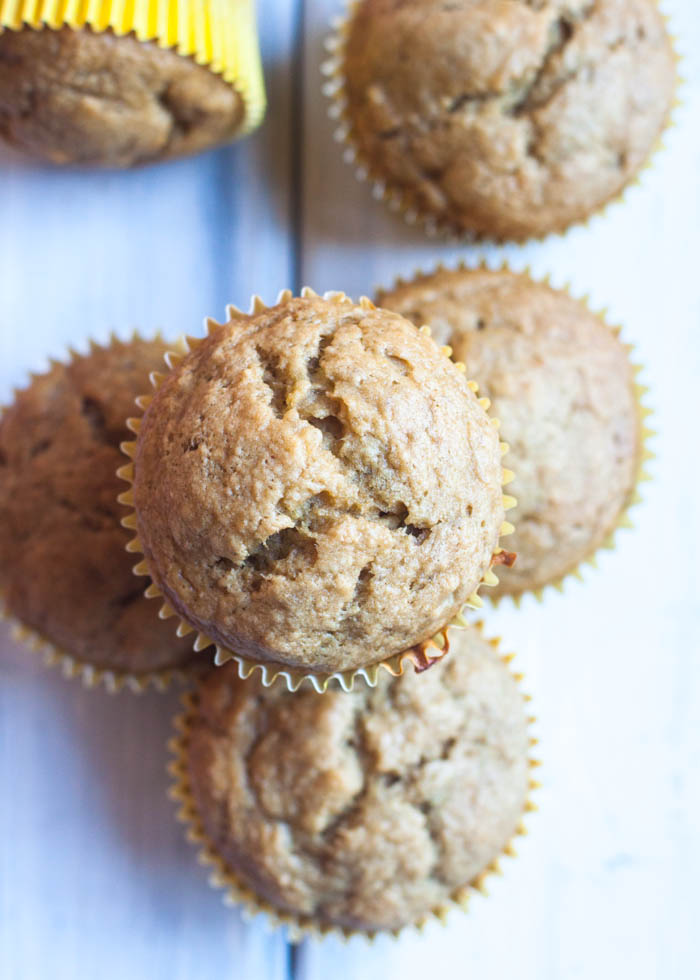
x=81 y=97
x=316 y=486
x=64 y=571
x=563 y=387
x=503 y=119
x=365 y=811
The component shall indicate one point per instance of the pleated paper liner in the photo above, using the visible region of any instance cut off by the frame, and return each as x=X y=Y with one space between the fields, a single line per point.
x=238 y=894
x=219 y=34
x=420 y=656
x=645 y=433
x=71 y=666
x=91 y=676
x=400 y=199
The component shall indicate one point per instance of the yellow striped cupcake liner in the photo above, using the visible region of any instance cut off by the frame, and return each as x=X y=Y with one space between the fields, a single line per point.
x=71 y=666
x=237 y=893
x=646 y=433
x=218 y=34
x=421 y=656
x=399 y=199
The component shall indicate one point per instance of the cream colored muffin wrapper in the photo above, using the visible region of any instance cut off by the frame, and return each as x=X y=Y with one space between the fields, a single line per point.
x=420 y=655
x=92 y=676
x=644 y=454
x=238 y=894
x=219 y=34
x=399 y=199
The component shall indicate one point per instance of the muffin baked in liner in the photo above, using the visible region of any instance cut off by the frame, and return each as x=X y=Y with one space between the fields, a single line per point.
x=217 y=34
x=400 y=199
x=645 y=454
x=112 y=681
x=72 y=666
x=421 y=655
x=236 y=892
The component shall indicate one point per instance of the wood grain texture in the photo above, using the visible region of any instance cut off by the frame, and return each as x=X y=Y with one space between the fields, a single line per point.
x=95 y=879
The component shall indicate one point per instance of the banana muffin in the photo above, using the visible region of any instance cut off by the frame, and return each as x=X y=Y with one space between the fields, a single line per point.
x=316 y=486
x=79 y=97
x=505 y=118
x=64 y=571
x=563 y=387
x=362 y=811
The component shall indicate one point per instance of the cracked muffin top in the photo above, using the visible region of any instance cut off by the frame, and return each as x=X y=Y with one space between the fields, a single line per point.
x=368 y=810
x=563 y=387
x=316 y=486
x=76 y=97
x=506 y=118
x=64 y=570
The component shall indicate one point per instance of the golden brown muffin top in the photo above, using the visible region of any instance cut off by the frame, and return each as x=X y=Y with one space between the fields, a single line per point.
x=64 y=570
x=76 y=97
x=366 y=810
x=507 y=118
x=316 y=486
x=563 y=387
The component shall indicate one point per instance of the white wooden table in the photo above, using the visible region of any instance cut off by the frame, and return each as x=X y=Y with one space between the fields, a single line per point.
x=95 y=879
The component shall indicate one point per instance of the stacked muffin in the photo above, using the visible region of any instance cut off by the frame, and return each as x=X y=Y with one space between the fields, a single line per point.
x=318 y=490
x=316 y=487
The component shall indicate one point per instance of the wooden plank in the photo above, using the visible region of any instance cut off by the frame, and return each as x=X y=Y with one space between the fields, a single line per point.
x=605 y=882
x=97 y=879
x=95 y=876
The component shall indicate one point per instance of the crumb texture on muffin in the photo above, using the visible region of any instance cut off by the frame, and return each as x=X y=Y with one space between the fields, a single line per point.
x=507 y=118
x=563 y=387
x=79 y=97
x=316 y=484
x=366 y=810
x=64 y=571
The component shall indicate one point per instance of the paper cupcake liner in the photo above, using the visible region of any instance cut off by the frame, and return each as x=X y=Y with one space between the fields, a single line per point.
x=645 y=433
x=238 y=894
x=219 y=34
x=421 y=656
x=91 y=676
x=399 y=199
x=71 y=666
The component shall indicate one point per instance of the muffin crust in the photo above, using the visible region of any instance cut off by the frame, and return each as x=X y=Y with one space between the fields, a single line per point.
x=316 y=486
x=563 y=387
x=77 y=97
x=507 y=118
x=64 y=571
x=366 y=810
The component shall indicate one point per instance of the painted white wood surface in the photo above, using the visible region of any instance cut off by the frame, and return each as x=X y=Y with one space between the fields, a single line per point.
x=94 y=877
